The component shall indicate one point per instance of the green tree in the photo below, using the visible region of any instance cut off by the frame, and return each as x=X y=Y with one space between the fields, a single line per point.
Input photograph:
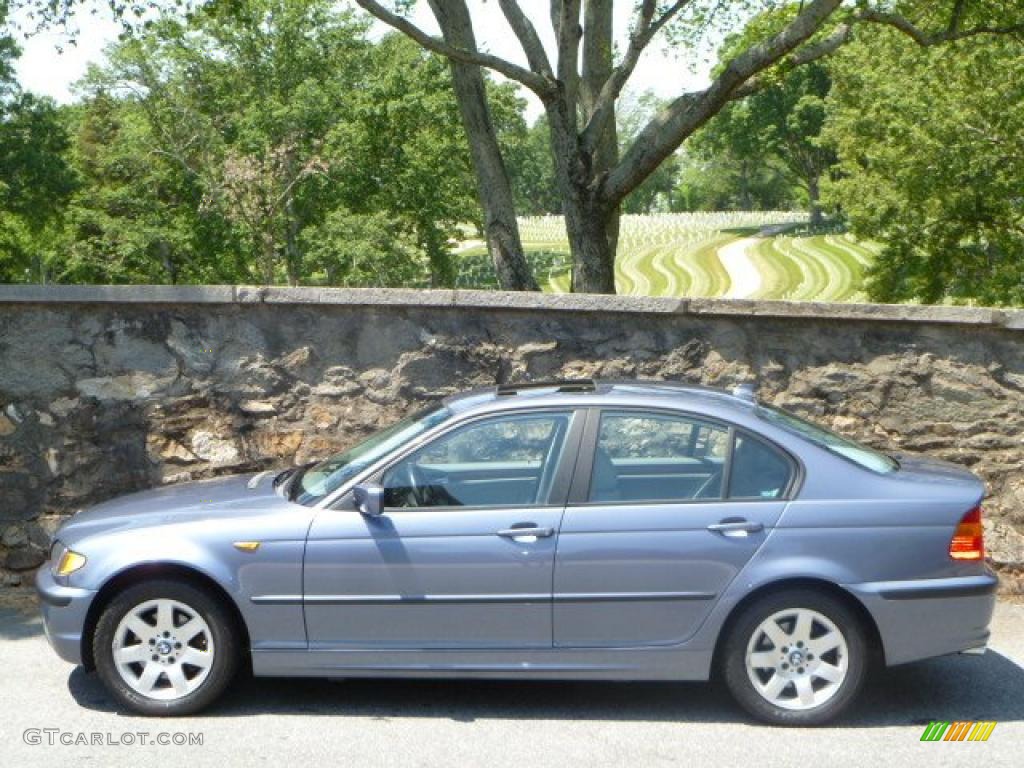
x=242 y=100
x=35 y=179
x=580 y=85
x=365 y=250
x=137 y=216
x=777 y=125
x=218 y=149
x=402 y=150
x=532 y=170
x=931 y=149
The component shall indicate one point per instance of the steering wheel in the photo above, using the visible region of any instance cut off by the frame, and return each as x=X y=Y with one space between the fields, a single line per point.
x=408 y=477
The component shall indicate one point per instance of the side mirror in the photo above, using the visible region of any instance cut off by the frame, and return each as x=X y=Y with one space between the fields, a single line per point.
x=369 y=499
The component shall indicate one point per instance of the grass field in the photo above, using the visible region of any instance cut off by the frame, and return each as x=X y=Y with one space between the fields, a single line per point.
x=701 y=254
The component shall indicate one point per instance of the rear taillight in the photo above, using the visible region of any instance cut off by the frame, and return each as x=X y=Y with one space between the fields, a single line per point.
x=968 y=542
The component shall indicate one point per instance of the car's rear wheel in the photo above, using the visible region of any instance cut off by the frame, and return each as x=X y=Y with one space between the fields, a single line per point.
x=796 y=657
x=164 y=647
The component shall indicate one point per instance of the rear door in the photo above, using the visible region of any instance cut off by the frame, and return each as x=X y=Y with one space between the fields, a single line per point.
x=665 y=509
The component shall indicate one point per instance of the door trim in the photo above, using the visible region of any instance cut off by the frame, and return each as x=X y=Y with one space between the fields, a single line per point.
x=570 y=597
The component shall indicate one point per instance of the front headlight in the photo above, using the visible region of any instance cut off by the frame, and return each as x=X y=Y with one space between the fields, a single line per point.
x=69 y=563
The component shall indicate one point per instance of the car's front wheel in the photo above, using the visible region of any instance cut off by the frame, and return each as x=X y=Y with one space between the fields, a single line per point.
x=796 y=657
x=164 y=647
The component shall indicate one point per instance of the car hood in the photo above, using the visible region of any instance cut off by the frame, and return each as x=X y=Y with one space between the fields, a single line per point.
x=175 y=503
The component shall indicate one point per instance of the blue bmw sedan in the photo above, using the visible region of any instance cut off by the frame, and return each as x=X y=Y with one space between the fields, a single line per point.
x=551 y=530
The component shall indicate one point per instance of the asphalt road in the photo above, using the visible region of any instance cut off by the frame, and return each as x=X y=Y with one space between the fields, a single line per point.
x=428 y=723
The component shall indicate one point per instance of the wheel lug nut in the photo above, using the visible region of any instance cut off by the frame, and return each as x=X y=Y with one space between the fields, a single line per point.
x=785 y=666
x=800 y=670
x=800 y=644
x=155 y=657
x=177 y=645
x=167 y=634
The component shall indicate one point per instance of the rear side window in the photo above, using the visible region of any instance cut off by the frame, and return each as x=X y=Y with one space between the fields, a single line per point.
x=758 y=471
x=656 y=457
x=876 y=461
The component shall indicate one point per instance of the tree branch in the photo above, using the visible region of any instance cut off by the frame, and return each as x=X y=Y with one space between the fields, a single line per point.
x=531 y=80
x=644 y=31
x=682 y=117
x=805 y=55
x=925 y=38
x=565 y=15
x=528 y=37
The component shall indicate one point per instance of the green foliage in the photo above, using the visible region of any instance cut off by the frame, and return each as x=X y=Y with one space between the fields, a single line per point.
x=401 y=149
x=730 y=166
x=35 y=178
x=776 y=131
x=532 y=170
x=267 y=141
x=359 y=250
x=931 y=147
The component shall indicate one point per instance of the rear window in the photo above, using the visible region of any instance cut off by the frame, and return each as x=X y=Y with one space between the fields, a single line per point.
x=851 y=450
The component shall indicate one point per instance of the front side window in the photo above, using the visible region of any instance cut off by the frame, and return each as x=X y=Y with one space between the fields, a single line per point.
x=318 y=481
x=500 y=462
x=656 y=457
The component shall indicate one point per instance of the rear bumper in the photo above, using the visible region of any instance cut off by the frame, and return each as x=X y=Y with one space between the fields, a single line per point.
x=930 y=617
x=64 y=613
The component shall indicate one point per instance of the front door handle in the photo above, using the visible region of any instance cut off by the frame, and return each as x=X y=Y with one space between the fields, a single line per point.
x=526 y=530
x=736 y=528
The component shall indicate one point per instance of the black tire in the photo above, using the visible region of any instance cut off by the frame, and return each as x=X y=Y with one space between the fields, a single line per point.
x=733 y=658
x=213 y=612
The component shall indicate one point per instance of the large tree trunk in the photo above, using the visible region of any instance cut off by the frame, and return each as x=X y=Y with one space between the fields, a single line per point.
x=494 y=190
x=591 y=227
x=590 y=222
x=598 y=62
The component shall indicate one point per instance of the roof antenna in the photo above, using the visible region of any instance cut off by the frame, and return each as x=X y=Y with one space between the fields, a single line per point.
x=745 y=391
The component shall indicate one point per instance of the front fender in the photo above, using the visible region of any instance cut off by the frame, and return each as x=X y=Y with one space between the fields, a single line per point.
x=275 y=567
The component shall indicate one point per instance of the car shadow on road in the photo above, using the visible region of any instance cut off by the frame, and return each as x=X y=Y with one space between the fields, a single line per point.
x=990 y=687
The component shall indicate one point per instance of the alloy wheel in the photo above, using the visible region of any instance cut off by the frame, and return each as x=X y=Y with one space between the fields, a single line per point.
x=163 y=649
x=797 y=659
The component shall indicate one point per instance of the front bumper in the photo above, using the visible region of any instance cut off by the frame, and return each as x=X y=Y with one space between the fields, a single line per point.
x=64 y=614
x=930 y=617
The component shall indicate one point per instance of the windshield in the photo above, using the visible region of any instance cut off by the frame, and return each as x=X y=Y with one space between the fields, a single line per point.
x=829 y=440
x=314 y=483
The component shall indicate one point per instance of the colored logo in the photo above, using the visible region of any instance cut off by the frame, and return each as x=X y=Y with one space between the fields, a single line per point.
x=958 y=730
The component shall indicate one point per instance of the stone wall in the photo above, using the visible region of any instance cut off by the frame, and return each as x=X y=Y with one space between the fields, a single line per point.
x=106 y=390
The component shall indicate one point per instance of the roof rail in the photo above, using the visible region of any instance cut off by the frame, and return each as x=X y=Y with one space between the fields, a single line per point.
x=560 y=385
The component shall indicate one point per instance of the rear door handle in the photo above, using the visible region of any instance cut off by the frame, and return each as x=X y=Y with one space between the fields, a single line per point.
x=536 y=532
x=736 y=529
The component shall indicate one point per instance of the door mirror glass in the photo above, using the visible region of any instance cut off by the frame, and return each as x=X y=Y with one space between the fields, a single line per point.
x=369 y=499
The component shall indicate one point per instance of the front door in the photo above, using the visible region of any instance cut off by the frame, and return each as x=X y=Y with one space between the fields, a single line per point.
x=464 y=553
x=660 y=527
